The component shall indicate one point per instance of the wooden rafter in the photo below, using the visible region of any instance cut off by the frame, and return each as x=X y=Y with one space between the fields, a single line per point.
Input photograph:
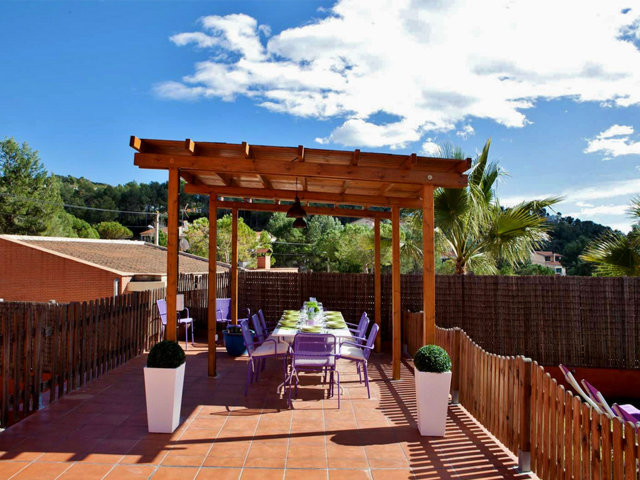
x=411 y=161
x=246 y=150
x=265 y=182
x=355 y=158
x=345 y=185
x=318 y=197
x=191 y=179
x=274 y=207
x=190 y=146
x=386 y=189
x=135 y=143
x=200 y=164
x=226 y=179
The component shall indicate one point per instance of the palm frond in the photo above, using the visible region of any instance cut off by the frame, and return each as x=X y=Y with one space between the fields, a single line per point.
x=515 y=232
x=449 y=206
x=479 y=165
x=634 y=210
x=614 y=254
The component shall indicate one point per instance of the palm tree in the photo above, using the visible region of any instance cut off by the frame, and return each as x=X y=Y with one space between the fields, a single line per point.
x=616 y=254
x=473 y=231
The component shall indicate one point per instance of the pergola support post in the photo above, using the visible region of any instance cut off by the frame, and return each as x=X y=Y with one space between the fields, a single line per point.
x=212 y=287
x=173 y=201
x=396 y=350
x=377 y=289
x=234 y=266
x=428 y=267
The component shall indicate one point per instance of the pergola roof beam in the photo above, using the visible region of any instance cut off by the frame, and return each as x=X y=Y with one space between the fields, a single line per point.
x=320 y=197
x=265 y=182
x=273 y=207
x=239 y=166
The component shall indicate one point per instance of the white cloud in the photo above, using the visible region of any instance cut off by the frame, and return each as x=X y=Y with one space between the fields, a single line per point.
x=360 y=132
x=616 y=130
x=614 y=141
x=624 y=227
x=465 y=132
x=512 y=200
x=430 y=148
x=604 y=190
x=595 y=210
x=361 y=58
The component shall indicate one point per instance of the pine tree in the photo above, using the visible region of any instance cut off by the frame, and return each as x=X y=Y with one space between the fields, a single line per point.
x=30 y=201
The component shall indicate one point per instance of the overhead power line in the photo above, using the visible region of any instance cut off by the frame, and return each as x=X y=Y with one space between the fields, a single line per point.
x=81 y=207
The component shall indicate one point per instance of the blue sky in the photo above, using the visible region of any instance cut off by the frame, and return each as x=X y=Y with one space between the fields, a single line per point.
x=556 y=88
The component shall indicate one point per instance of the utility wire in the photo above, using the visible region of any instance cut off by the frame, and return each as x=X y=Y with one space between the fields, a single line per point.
x=27 y=199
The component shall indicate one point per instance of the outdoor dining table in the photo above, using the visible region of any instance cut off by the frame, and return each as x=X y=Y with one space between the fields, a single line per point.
x=294 y=321
x=323 y=322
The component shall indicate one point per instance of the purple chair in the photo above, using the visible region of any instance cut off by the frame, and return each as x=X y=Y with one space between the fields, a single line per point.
x=223 y=307
x=360 y=331
x=627 y=413
x=313 y=352
x=270 y=348
x=186 y=321
x=263 y=321
x=261 y=335
x=360 y=353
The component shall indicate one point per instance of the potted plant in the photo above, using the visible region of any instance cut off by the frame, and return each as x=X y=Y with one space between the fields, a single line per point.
x=233 y=340
x=163 y=382
x=433 y=380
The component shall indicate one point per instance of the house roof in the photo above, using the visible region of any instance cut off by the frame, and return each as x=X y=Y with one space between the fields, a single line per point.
x=125 y=257
x=546 y=253
x=152 y=231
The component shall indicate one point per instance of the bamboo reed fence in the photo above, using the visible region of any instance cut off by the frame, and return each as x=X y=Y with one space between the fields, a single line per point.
x=577 y=321
x=553 y=433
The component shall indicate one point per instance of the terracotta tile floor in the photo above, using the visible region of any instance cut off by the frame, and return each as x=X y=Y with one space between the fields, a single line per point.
x=100 y=432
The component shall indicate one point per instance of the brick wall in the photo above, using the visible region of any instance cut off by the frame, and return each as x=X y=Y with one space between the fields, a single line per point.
x=28 y=274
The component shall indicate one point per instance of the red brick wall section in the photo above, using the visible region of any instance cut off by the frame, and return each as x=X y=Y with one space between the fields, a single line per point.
x=28 y=274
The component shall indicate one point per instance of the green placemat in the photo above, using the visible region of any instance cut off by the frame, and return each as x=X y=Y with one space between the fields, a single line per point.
x=310 y=329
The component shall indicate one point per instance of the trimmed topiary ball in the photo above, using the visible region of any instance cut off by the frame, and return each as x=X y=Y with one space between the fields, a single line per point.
x=166 y=354
x=432 y=358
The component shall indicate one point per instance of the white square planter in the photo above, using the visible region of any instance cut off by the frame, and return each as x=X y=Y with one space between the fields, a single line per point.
x=432 y=399
x=163 y=391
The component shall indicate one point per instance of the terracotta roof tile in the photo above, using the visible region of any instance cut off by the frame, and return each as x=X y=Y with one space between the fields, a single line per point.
x=132 y=257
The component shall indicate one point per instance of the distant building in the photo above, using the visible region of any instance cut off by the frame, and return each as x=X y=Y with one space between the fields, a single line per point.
x=548 y=259
x=149 y=235
x=41 y=269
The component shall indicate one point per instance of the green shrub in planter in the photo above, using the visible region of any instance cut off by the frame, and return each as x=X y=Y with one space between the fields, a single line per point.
x=432 y=358
x=166 y=354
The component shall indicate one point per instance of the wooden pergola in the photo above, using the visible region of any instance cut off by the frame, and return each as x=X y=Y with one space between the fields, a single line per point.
x=328 y=182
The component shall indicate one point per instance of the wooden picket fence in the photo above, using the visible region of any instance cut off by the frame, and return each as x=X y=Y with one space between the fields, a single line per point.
x=552 y=431
x=60 y=347
x=49 y=350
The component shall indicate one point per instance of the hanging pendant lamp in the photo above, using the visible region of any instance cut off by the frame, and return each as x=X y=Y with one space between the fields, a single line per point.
x=296 y=210
x=300 y=223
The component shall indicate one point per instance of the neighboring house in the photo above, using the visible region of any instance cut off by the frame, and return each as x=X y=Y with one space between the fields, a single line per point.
x=41 y=269
x=150 y=234
x=548 y=259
